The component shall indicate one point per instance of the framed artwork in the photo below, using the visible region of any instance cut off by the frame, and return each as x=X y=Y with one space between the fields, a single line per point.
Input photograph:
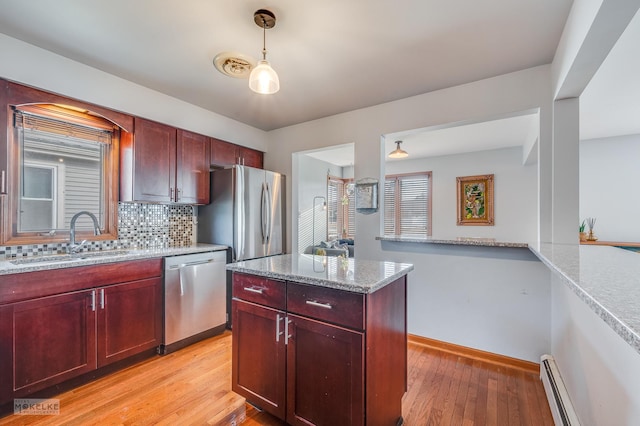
x=366 y=195
x=475 y=200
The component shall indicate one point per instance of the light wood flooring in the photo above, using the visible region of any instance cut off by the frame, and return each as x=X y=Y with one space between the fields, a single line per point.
x=192 y=387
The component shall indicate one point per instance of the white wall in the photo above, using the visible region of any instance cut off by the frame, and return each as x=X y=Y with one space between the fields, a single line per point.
x=312 y=182
x=601 y=371
x=32 y=66
x=609 y=176
x=486 y=284
x=515 y=188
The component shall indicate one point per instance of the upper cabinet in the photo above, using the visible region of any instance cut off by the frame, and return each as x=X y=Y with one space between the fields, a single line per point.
x=163 y=164
x=192 y=172
x=227 y=154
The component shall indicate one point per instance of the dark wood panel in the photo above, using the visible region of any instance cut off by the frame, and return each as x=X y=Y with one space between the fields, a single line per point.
x=154 y=162
x=327 y=304
x=223 y=153
x=260 y=290
x=52 y=340
x=325 y=374
x=129 y=319
x=386 y=356
x=192 y=178
x=16 y=287
x=251 y=157
x=258 y=358
x=18 y=94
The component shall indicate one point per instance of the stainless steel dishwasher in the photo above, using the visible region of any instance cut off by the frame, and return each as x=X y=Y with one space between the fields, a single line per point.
x=194 y=298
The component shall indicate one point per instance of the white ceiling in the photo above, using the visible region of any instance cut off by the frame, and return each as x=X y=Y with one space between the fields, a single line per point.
x=332 y=56
x=609 y=106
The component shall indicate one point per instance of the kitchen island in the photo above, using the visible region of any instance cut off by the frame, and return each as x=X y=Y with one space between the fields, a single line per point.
x=321 y=340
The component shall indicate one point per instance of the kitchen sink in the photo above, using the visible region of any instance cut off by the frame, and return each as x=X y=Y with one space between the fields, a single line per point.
x=59 y=258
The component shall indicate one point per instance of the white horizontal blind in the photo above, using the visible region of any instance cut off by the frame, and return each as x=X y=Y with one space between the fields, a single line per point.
x=407 y=211
x=351 y=209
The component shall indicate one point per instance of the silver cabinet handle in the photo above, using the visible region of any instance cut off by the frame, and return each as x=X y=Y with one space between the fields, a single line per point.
x=318 y=304
x=93 y=300
x=278 y=332
x=102 y=298
x=287 y=336
x=253 y=290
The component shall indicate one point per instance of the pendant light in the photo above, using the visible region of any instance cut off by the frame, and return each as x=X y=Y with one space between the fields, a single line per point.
x=398 y=152
x=263 y=78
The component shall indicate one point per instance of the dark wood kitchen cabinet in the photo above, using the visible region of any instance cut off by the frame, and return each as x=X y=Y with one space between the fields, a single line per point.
x=61 y=324
x=330 y=375
x=165 y=165
x=129 y=319
x=227 y=154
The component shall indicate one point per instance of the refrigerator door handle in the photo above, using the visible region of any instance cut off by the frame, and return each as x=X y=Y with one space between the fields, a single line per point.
x=268 y=225
x=263 y=219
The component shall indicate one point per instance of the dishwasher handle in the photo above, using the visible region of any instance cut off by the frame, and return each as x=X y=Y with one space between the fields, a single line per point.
x=187 y=264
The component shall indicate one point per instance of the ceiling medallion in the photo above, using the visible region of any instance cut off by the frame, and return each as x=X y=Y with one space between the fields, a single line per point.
x=234 y=64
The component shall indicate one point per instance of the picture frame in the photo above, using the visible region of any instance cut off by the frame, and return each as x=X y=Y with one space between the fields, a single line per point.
x=366 y=195
x=475 y=200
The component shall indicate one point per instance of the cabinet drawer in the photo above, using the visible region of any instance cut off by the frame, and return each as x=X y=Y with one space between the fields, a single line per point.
x=259 y=290
x=326 y=304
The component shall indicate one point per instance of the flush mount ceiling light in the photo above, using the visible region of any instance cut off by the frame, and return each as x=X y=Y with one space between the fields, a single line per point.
x=263 y=78
x=398 y=152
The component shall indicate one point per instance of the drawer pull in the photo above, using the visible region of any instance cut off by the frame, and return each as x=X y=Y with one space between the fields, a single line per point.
x=278 y=332
x=253 y=290
x=319 y=305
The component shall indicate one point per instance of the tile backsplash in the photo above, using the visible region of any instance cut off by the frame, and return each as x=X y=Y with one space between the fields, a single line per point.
x=139 y=226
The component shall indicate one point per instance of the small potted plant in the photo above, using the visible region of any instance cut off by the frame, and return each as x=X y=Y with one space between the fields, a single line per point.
x=583 y=235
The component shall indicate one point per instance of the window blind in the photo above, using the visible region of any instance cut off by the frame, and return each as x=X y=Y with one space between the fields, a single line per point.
x=407 y=204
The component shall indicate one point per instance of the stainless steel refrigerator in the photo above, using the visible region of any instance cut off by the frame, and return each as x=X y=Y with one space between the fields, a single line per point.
x=246 y=212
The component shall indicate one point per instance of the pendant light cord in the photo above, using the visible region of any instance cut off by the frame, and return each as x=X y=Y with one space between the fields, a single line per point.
x=264 y=39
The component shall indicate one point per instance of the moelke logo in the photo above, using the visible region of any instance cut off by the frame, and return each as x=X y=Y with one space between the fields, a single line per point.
x=36 y=407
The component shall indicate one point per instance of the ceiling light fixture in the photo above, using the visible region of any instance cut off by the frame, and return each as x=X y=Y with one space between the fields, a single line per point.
x=398 y=152
x=263 y=78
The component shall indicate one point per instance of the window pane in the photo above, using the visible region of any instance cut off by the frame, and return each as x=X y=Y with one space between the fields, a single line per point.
x=407 y=205
x=62 y=163
x=38 y=182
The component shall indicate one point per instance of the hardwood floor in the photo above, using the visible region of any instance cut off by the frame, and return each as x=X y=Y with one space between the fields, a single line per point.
x=192 y=386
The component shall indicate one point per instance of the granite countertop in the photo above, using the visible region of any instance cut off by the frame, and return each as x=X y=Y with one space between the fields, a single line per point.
x=47 y=262
x=460 y=241
x=356 y=275
x=606 y=278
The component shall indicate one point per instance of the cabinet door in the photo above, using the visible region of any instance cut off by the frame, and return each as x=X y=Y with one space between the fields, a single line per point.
x=259 y=356
x=192 y=178
x=325 y=374
x=129 y=319
x=154 y=162
x=223 y=153
x=250 y=157
x=46 y=341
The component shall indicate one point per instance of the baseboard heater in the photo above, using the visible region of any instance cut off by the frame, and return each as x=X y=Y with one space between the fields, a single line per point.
x=559 y=401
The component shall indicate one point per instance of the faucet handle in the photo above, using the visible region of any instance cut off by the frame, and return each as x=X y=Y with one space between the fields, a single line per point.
x=75 y=248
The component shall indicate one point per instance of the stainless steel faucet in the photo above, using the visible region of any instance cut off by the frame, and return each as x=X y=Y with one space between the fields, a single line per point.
x=73 y=247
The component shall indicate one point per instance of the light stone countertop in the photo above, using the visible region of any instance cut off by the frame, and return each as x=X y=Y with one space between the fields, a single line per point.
x=459 y=241
x=359 y=276
x=606 y=278
x=97 y=257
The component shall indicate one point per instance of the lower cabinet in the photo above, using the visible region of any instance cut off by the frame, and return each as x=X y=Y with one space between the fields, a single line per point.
x=325 y=374
x=45 y=341
x=312 y=356
x=259 y=356
x=129 y=319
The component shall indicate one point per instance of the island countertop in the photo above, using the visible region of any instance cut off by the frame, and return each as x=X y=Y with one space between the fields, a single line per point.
x=356 y=275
